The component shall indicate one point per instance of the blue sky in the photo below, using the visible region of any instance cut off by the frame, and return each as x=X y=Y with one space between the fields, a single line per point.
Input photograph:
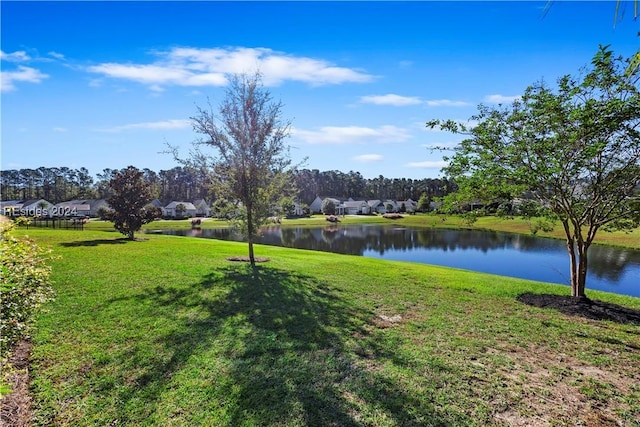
x=108 y=84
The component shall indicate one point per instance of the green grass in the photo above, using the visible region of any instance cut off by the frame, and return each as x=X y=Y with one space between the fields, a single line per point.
x=167 y=332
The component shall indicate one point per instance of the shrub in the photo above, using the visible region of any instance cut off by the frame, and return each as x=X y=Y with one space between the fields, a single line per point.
x=544 y=224
x=392 y=216
x=24 y=285
x=22 y=221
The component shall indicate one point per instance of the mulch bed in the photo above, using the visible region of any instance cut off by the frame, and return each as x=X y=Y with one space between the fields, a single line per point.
x=583 y=307
x=15 y=408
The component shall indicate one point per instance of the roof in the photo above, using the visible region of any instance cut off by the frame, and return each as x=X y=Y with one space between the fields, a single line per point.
x=355 y=204
x=199 y=202
x=34 y=201
x=187 y=205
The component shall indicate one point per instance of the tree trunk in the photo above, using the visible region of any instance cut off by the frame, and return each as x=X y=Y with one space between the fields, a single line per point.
x=573 y=261
x=578 y=288
x=578 y=269
x=131 y=235
x=250 y=233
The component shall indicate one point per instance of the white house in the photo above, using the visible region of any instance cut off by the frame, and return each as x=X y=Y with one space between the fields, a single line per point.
x=71 y=208
x=377 y=206
x=202 y=208
x=390 y=206
x=409 y=205
x=95 y=205
x=35 y=207
x=316 y=205
x=297 y=209
x=80 y=207
x=188 y=211
x=356 y=207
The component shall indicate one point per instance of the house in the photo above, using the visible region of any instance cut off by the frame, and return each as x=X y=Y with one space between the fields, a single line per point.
x=377 y=206
x=71 y=208
x=409 y=205
x=95 y=205
x=10 y=207
x=353 y=207
x=202 y=208
x=34 y=207
x=315 y=207
x=81 y=207
x=391 y=206
x=157 y=203
x=297 y=209
x=173 y=211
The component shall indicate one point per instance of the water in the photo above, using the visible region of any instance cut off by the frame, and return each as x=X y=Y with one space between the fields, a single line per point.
x=611 y=269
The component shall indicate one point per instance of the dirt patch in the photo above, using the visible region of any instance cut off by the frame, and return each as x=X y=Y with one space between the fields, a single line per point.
x=551 y=389
x=246 y=259
x=384 y=321
x=583 y=307
x=15 y=408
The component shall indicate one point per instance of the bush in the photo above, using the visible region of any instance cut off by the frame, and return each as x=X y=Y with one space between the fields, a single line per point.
x=392 y=216
x=22 y=221
x=24 y=285
x=544 y=224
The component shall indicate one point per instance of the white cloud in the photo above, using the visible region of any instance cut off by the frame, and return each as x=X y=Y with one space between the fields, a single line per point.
x=368 y=158
x=163 y=125
x=23 y=74
x=57 y=55
x=59 y=129
x=390 y=99
x=18 y=56
x=500 y=99
x=352 y=135
x=428 y=164
x=446 y=103
x=209 y=67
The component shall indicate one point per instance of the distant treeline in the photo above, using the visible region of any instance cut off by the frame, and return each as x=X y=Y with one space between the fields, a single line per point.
x=59 y=184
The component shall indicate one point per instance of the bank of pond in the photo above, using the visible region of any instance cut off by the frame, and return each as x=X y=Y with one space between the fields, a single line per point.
x=611 y=269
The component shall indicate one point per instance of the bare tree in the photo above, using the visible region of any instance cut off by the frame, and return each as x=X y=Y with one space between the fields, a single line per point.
x=250 y=164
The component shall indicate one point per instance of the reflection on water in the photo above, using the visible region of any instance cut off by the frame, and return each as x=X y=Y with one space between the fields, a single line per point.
x=611 y=269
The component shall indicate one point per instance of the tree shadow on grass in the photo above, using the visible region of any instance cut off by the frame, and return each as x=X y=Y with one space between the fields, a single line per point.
x=289 y=350
x=96 y=242
x=583 y=307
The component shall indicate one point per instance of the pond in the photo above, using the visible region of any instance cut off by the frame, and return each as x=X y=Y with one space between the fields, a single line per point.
x=611 y=269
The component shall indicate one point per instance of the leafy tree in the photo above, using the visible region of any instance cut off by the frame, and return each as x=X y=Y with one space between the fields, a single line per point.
x=251 y=162
x=575 y=149
x=287 y=206
x=103 y=213
x=424 y=203
x=222 y=209
x=131 y=195
x=328 y=207
x=180 y=210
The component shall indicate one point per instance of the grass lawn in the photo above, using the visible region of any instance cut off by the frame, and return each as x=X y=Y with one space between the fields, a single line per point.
x=167 y=332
